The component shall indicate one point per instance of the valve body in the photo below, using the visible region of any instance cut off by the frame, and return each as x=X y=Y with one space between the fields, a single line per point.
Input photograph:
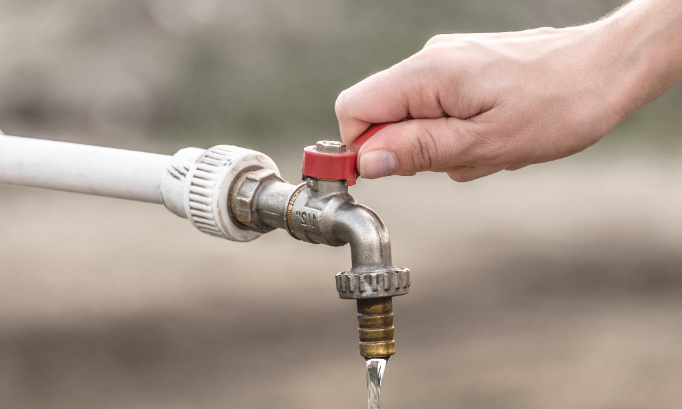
x=321 y=211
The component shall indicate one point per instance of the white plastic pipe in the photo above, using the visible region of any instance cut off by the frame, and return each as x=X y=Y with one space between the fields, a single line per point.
x=82 y=168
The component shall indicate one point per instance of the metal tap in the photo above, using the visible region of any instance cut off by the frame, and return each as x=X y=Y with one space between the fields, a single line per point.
x=320 y=210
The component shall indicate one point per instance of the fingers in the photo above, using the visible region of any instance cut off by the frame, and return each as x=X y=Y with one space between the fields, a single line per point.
x=377 y=99
x=525 y=34
x=409 y=89
x=469 y=173
x=442 y=144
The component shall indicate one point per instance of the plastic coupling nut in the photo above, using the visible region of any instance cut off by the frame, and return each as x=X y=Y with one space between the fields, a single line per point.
x=198 y=183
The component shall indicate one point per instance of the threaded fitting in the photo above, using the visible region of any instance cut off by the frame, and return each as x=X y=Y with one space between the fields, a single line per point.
x=375 y=327
x=382 y=284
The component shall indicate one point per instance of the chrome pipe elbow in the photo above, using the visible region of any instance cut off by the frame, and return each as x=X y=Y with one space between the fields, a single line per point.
x=367 y=236
x=322 y=212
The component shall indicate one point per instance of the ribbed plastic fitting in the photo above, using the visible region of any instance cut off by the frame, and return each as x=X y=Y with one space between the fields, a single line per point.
x=198 y=186
x=390 y=283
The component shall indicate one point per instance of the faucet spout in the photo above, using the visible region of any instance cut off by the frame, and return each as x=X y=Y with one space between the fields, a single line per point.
x=365 y=232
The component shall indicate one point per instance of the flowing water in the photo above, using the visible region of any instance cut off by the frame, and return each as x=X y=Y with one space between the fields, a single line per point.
x=375 y=371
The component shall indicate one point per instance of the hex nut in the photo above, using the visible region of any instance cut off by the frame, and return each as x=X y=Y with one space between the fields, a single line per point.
x=330 y=147
x=244 y=194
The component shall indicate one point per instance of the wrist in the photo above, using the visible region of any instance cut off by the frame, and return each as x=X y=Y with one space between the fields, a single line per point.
x=643 y=40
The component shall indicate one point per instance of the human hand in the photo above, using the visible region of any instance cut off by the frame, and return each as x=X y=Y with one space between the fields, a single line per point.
x=474 y=104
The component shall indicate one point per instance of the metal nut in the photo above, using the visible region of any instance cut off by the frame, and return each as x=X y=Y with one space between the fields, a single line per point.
x=330 y=146
x=244 y=194
x=389 y=283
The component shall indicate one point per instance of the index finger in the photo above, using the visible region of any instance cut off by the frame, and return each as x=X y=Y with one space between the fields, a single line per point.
x=379 y=98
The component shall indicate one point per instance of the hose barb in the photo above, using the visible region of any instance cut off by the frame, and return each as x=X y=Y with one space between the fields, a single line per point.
x=375 y=327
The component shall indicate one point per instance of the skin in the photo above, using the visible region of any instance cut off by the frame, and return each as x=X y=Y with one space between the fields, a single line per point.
x=471 y=105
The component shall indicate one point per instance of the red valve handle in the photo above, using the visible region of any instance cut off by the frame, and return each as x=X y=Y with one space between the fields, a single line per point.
x=357 y=144
x=337 y=166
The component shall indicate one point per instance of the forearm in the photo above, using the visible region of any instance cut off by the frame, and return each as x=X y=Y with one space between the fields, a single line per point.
x=645 y=40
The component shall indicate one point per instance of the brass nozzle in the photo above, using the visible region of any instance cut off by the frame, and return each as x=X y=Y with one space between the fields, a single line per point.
x=375 y=327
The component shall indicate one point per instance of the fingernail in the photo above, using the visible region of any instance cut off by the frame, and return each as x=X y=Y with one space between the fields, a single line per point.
x=375 y=164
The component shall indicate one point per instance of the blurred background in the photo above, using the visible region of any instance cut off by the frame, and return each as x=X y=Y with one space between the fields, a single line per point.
x=557 y=286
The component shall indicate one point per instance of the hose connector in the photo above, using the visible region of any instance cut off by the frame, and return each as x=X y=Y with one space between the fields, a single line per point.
x=375 y=327
x=389 y=283
x=374 y=292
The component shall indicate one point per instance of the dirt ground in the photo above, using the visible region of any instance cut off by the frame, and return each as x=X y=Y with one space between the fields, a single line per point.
x=555 y=287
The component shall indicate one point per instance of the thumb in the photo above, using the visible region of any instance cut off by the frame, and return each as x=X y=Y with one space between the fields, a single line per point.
x=417 y=145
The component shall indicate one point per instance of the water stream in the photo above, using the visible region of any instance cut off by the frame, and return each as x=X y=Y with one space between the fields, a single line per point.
x=375 y=372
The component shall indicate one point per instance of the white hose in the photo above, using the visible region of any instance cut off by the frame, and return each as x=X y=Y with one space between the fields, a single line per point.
x=82 y=168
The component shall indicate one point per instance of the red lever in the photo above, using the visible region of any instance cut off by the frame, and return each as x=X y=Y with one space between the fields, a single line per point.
x=357 y=144
x=337 y=165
